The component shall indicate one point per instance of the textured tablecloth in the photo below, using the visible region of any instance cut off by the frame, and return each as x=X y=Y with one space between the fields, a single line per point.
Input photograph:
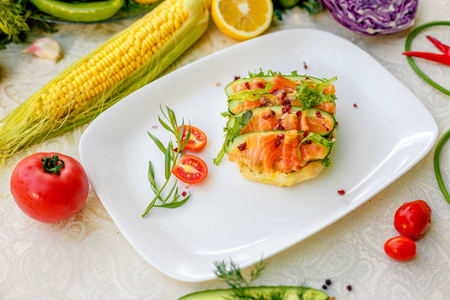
x=86 y=257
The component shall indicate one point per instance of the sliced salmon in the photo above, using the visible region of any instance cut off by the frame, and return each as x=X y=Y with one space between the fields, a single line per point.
x=270 y=151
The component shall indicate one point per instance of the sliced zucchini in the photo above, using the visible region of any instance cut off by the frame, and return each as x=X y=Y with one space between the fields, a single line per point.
x=230 y=91
x=261 y=292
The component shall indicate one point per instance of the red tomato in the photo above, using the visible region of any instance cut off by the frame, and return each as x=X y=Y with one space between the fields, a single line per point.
x=190 y=169
x=412 y=219
x=197 y=140
x=49 y=197
x=400 y=248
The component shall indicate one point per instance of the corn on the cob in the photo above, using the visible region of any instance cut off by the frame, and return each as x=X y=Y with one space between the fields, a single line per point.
x=126 y=62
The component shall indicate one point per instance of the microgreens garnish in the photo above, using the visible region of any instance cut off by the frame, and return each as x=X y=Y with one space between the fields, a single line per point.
x=311 y=94
x=171 y=155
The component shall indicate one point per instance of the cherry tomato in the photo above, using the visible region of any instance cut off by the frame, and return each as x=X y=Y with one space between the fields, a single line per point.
x=412 y=219
x=190 y=169
x=197 y=140
x=49 y=187
x=400 y=248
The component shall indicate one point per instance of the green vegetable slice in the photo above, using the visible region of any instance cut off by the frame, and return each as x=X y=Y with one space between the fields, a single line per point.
x=78 y=11
x=416 y=69
x=437 y=169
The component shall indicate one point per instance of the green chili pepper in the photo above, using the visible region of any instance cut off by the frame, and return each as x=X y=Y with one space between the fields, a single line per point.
x=78 y=11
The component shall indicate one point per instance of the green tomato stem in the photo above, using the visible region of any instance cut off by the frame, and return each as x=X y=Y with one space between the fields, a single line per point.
x=52 y=165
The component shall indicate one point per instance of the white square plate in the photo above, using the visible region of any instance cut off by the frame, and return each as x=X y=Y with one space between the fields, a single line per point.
x=228 y=216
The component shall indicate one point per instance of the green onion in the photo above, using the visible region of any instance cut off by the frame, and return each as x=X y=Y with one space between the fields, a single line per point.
x=437 y=169
x=416 y=69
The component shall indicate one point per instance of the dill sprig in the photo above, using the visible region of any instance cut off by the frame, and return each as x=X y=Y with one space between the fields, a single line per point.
x=171 y=155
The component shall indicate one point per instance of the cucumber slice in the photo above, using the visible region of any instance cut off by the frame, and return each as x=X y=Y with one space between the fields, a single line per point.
x=237 y=122
x=327 y=119
x=230 y=91
x=315 y=138
x=240 y=139
x=289 y=292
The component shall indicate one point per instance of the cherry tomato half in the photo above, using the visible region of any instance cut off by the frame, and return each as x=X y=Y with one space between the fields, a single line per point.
x=197 y=140
x=190 y=169
x=400 y=248
x=412 y=219
x=49 y=187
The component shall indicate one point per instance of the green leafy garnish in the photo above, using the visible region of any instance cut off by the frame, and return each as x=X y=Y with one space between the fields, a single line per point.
x=311 y=93
x=252 y=95
x=261 y=73
x=17 y=17
x=172 y=198
x=318 y=140
x=233 y=128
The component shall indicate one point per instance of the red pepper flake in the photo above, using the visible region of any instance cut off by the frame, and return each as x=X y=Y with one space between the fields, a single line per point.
x=217 y=83
x=271 y=114
x=286 y=102
x=155 y=127
x=336 y=123
x=260 y=85
x=280 y=138
x=279 y=127
x=187 y=186
x=318 y=114
x=286 y=108
x=305 y=134
x=237 y=77
x=277 y=143
x=183 y=194
x=175 y=149
x=247 y=85
x=354 y=105
x=305 y=66
x=298 y=113
x=242 y=146
x=341 y=193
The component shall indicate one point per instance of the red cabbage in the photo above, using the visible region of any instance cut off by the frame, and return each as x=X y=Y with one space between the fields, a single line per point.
x=373 y=17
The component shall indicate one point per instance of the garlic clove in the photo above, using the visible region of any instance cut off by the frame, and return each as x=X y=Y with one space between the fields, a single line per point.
x=46 y=48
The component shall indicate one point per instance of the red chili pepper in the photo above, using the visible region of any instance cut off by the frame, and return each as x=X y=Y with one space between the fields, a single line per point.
x=440 y=58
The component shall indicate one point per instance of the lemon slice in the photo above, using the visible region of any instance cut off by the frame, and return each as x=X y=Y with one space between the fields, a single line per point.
x=242 y=19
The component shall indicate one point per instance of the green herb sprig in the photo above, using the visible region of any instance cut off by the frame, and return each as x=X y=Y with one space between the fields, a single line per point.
x=171 y=155
x=311 y=94
x=232 y=275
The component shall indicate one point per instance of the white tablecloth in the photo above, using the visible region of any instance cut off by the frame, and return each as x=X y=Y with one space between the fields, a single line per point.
x=86 y=257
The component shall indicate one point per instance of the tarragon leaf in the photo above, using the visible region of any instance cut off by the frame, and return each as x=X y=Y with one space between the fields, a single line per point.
x=157 y=142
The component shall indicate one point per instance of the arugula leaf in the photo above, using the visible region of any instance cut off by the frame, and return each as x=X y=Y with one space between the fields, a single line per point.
x=233 y=129
x=319 y=140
